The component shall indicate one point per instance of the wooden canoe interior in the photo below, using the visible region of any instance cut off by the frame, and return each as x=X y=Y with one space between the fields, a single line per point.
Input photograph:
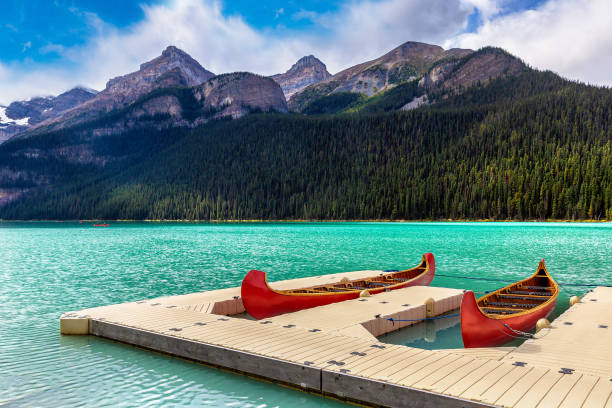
x=387 y=281
x=519 y=297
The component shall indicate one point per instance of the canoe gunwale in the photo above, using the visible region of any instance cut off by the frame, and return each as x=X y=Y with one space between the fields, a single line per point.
x=552 y=298
x=291 y=292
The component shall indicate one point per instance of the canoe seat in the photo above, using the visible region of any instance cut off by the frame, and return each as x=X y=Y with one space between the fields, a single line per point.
x=506 y=304
x=538 y=287
x=498 y=311
x=525 y=292
x=379 y=284
x=399 y=279
x=521 y=297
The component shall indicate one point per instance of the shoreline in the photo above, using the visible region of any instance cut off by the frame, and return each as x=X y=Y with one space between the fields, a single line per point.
x=265 y=221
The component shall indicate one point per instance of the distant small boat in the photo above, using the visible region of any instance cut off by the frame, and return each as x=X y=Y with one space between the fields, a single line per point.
x=101 y=225
x=261 y=301
x=502 y=315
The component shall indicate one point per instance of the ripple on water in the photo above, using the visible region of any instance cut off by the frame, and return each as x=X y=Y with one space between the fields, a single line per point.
x=50 y=268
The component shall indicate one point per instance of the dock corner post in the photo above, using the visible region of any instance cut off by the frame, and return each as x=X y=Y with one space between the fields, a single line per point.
x=73 y=324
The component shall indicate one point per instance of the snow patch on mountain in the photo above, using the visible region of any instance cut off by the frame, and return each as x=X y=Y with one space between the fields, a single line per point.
x=5 y=120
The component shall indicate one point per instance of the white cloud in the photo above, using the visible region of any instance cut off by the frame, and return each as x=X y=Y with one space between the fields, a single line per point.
x=53 y=48
x=358 y=31
x=487 y=8
x=570 y=37
x=366 y=29
x=305 y=15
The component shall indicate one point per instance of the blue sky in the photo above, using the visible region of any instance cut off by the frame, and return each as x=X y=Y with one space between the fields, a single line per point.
x=31 y=29
x=49 y=45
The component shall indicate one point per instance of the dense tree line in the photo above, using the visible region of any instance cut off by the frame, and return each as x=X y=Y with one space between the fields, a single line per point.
x=547 y=154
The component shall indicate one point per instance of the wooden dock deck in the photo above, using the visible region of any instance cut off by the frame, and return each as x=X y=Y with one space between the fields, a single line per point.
x=579 y=340
x=228 y=302
x=368 y=316
x=363 y=369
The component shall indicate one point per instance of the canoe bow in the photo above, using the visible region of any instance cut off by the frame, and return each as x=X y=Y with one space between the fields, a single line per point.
x=479 y=329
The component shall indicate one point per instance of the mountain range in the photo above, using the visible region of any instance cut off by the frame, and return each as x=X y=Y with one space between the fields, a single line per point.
x=58 y=145
x=307 y=81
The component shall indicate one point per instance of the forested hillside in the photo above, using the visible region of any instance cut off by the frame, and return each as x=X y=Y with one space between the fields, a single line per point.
x=535 y=147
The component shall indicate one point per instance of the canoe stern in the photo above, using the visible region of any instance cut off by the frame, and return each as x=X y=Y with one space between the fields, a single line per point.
x=426 y=279
x=261 y=301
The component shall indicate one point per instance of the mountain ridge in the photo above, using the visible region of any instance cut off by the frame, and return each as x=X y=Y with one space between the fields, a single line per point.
x=122 y=90
x=305 y=82
x=19 y=116
x=408 y=61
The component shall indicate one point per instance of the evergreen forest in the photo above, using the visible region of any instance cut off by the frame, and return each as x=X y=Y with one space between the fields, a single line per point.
x=534 y=147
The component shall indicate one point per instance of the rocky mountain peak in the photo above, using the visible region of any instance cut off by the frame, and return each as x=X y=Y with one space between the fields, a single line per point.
x=173 y=68
x=171 y=59
x=173 y=50
x=418 y=47
x=306 y=71
x=72 y=98
x=308 y=61
x=482 y=65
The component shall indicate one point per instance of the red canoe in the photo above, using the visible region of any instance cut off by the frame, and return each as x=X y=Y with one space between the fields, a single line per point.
x=101 y=225
x=498 y=317
x=261 y=301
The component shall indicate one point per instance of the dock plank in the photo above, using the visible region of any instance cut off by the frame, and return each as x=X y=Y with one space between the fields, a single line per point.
x=428 y=381
x=334 y=351
x=324 y=360
x=376 y=356
x=471 y=378
x=499 y=388
x=512 y=396
x=385 y=372
x=290 y=342
x=535 y=394
x=427 y=370
x=580 y=392
x=398 y=375
x=600 y=395
x=264 y=345
x=359 y=356
x=475 y=391
x=558 y=392
x=378 y=365
x=455 y=376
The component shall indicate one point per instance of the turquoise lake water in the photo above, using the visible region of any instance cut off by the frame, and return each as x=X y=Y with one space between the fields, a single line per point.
x=50 y=268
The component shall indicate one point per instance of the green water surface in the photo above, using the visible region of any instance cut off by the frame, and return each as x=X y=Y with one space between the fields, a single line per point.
x=49 y=268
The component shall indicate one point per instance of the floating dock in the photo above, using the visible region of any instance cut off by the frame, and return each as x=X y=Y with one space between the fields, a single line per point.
x=333 y=350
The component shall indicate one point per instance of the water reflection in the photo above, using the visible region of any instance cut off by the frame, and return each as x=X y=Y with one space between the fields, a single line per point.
x=442 y=333
x=430 y=334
